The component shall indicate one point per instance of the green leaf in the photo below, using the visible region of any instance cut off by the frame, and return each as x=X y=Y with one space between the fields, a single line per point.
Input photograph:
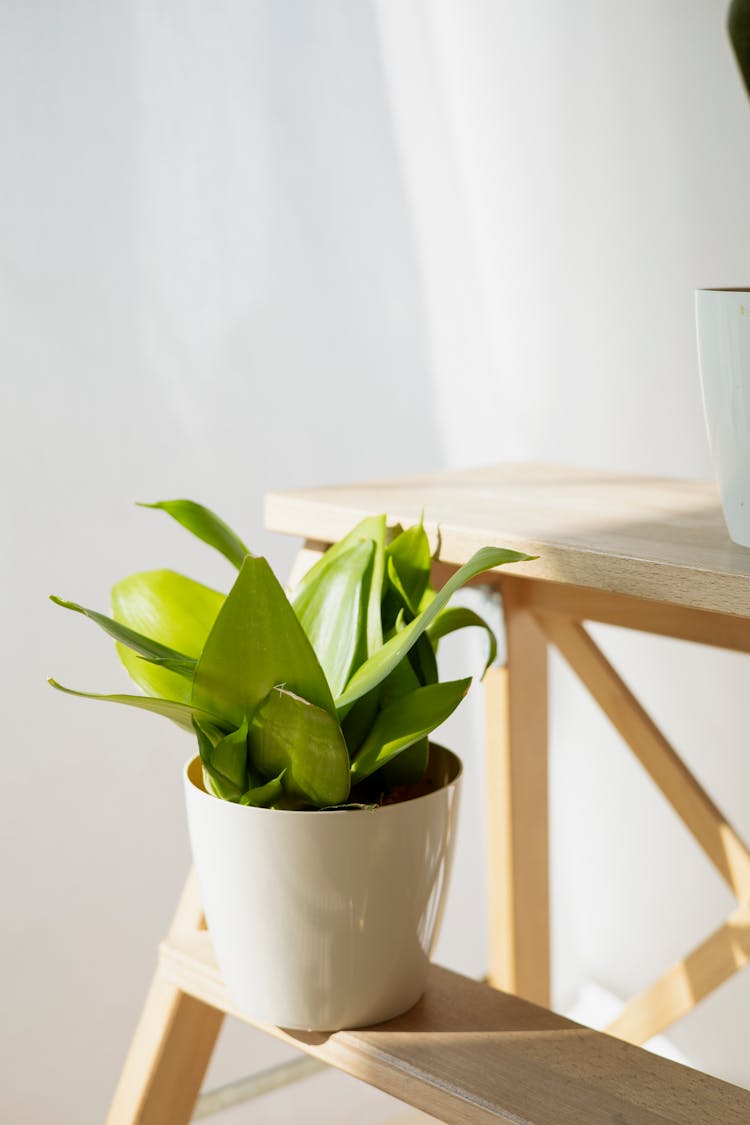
x=461 y=617
x=359 y=718
x=176 y=612
x=180 y=713
x=378 y=666
x=214 y=781
x=230 y=756
x=404 y=722
x=290 y=735
x=370 y=530
x=224 y=759
x=262 y=796
x=145 y=647
x=255 y=644
x=422 y=658
x=206 y=525
x=408 y=767
x=331 y=611
x=738 y=25
x=375 y=593
x=409 y=564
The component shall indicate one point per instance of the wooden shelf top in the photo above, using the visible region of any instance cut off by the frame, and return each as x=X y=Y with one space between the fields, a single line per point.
x=644 y=536
x=467 y=1053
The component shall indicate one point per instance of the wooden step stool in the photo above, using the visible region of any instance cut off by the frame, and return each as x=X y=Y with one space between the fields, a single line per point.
x=648 y=554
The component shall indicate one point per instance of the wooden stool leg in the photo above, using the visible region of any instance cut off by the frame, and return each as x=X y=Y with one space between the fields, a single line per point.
x=517 y=820
x=172 y=1045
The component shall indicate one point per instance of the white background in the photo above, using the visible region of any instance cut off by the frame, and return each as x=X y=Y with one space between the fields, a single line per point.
x=253 y=245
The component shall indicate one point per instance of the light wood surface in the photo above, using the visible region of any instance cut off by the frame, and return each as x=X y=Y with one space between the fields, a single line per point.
x=470 y=1054
x=645 y=554
x=647 y=537
x=173 y=1042
x=706 y=822
x=686 y=983
x=517 y=833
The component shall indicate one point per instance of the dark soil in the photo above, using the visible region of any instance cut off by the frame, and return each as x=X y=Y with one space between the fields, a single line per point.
x=408 y=792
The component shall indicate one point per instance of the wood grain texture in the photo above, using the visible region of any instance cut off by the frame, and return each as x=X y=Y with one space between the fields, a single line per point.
x=470 y=1054
x=646 y=537
x=517 y=816
x=173 y=1042
x=686 y=983
x=705 y=821
x=721 y=630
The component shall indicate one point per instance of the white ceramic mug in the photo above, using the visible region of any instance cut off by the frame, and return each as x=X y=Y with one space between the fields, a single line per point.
x=723 y=323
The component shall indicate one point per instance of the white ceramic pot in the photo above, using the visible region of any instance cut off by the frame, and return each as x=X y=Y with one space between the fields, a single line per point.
x=723 y=323
x=325 y=920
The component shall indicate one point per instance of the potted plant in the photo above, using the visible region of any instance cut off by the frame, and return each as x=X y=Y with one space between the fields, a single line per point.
x=723 y=324
x=321 y=819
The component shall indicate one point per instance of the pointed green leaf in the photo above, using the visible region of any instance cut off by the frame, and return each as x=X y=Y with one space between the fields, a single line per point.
x=422 y=659
x=461 y=617
x=206 y=525
x=404 y=722
x=371 y=529
x=214 y=781
x=144 y=647
x=288 y=734
x=409 y=559
x=331 y=611
x=180 y=713
x=256 y=643
x=230 y=756
x=262 y=796
x=375 y=593
x=374 y=670
x=176 y=612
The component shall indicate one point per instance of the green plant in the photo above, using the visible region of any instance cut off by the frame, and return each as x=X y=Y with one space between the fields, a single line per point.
x=319 y=699
x=738 y=25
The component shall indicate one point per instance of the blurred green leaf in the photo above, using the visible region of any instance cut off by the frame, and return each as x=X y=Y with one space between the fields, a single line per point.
x=213 y=779
x=206 y=525
x=738 y=25
x=332 y=611
x=144 y=647
x=230 y=756
x=263 y=796
x=257 y=643
x=176 y=612
x=377 y=667
x=404 y=722
x=461 y=617
x=422 y=659
x=289 y=735
x=180 y=713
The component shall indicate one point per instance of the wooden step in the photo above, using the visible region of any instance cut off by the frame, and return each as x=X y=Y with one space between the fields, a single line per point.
x=468 y=1053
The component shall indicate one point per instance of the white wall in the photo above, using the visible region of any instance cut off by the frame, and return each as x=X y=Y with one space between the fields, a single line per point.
x=244 y=246
x=594 y=159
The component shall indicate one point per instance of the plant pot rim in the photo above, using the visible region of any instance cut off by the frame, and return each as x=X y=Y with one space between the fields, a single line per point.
x=193 y=774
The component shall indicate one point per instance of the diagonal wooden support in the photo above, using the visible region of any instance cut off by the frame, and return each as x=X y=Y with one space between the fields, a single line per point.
x=703 y=818
x=686 y=983
x=173 y=1042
